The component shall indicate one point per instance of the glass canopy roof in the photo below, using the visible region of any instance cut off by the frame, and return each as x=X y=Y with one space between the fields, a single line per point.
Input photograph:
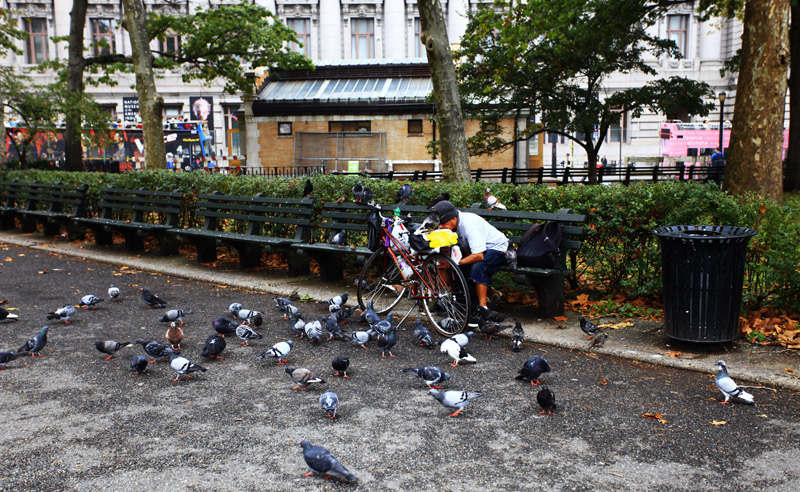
x=405 y=89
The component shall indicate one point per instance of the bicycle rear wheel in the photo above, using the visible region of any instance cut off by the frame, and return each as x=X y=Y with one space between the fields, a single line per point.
x=449 y=307
x=378 y=283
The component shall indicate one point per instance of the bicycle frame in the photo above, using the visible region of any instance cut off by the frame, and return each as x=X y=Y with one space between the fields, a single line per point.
x=390 y=242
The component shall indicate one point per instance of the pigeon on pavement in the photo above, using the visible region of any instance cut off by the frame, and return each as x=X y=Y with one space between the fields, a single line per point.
x=430 y=374
x=151 y=300
x=491 y=328
x=422 y=334
x=225 y=326
x=382 y=327
x=113 y=293
x=361 y=338
x=339 y=300
x=214 y=346
x=343 y=313
x=302 y=377
x=454 y=399
x=234 y=308
x=598 y=340
x=155 y=349
x=589 y=328
x=729 y=387
x=250 y=317
x=36 y=344
x=298 y=325
x=546 y=399
x=463 y=338
x=332 y=327
x=340 y=364
x=370 y=316
x=245 y=333
x=90 y=302
x=533 y=368
x=322 y=462
x=6 y=357
x=63 y=313
x=278 y=351
x=387 y=342
x=174 y=335
x=182 y=365
x=175 y=315
x=329 y=401
x=139 y=364
x=313 y=331
x=110 y=347
x=5 y=315
x=456 y=351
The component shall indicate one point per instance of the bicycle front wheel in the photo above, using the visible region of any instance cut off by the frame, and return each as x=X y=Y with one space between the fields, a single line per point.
x=380 y=282
x=448 y=306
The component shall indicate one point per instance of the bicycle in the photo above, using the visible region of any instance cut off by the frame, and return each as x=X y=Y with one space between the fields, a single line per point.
x=433 y=282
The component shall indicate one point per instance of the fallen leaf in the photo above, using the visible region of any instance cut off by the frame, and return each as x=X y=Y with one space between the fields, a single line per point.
x=604 y=382
x=9 y=259
x=763 y=415
x=673 y=353
x=42 y=272
x=21 y=254
x=560 y=318
x=718 y=422
x=654 y=416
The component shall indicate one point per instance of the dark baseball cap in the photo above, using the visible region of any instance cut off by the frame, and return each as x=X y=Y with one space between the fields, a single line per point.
x=446 y=211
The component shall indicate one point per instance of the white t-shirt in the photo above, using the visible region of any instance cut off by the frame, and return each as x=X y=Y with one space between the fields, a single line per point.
x=479 y=234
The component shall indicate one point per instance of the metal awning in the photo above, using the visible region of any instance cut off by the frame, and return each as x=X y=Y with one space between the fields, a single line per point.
x=396 y=89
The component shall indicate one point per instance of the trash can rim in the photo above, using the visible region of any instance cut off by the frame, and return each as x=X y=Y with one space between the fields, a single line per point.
x=704 y=232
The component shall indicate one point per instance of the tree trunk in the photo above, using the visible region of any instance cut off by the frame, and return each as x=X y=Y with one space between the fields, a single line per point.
x=754 y=162
x=793 y=152
x=150 y=103
x=455 y=160
x=3 y=130
x=73 y=151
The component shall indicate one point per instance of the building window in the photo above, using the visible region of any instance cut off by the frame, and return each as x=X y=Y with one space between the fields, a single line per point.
x=415 y=127
x=36 y=45
x=232 y=129
x=489 y=127
x=349 y=126
x=419 y=50
x=363 y=38
x=678 y=31
x=170 y=46
x=103 y=36
x=302 y=29
x=285 y=128
x=617 y=131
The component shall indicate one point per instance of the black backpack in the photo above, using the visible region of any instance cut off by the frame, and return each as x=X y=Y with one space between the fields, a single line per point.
x=539 y=246
x=374 y=242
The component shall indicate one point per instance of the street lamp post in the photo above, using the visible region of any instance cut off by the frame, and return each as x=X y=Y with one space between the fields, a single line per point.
x=722 y=96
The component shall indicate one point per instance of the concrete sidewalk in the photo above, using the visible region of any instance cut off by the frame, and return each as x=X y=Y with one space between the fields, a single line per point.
x=644 y=341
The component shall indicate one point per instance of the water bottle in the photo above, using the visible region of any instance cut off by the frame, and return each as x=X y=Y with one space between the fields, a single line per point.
x=405 y=268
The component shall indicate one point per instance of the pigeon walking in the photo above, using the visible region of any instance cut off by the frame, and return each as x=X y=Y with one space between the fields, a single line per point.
x=454 y=399
x=729 y=387
x=517 y=337
x=340 y=364
x=278 y=351
x=63 y=313
x=598 y=340
x=151 y=300
x=456 y=351
x=463 y=338
x=387 y=342
x=6 y=357
x=5 y=315
x=432 y=375
x=588 y=327
x=234 y=308
x=214 y=346
x=174 y=335
x=36 y=344
x=382 y=327
x=225 y=326
x=422 y=334
x=491 y=328
x=245 y=333
x=532 y=369
x=313 y=330
x=113 y=293
x=182 y=365
x=361 y=338
x=339 y=300
x=303 y=377
x=546 y=399
x=298 y=325
x=174 y=315
x=250 y=317
x=321 y=462
x=110 y=347
x=139 y=364
x=90 y=302
x=332 y=327
x=155 y=349
x=329 y=401
x=369 y=316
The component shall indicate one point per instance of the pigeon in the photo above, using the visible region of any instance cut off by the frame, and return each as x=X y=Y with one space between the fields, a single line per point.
x=308 y=189
x=491 y=328
x=63 y=313
x=250 y=317
x=332 y=327
x=182 y=366
x=456 y=351
x=313 y=331
x=598 y=340
x=245 y=333
x=234 y=308
x=589 y=328
x=546 y=399
x=463 y=338
x=322 y=462
x=113 y=293
x=358 y=192
x=366 y=197
x=363 y=285
x=214 y=346
x=487 y=314
x=431 y=222
x=443 y=196
x=340 y=364
x=174 y=335
x=340 y=238
x=329 y=401
x=430 y=374
x=454 y=399
x=286 y=307
x=5 y=315
x=360 y=337
x=278 y=351
x=90 y=302
x=303 y=377
x=339 y=300
x=280 y=302
x=532 y=369
x=298 y=325
x=110 y=347
x=490 y=201
x=387 y=342
x=36 y=344
x=729 y=387
x=369 y=315
x=151 y=300
x=6 y=357
x=517 y=337
x=422 y=334
x=511 y=258
x=139 y=364
x=404 y=193
x=225 y=326
x=155 y=349
x=343 y=313
x=174 y=315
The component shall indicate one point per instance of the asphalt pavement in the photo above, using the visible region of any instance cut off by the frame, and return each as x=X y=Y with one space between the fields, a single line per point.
x=625 y=419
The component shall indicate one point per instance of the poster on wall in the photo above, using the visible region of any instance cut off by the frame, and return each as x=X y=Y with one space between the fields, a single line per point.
x=130 y=107
x=202 y=108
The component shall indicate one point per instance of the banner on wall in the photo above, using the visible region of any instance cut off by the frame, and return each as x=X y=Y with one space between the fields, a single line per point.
x=130 y=107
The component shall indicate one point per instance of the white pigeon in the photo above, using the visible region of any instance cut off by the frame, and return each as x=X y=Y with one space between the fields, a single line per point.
x=278 y=351
x=245 y=333
x=491 y=201
x=90 y=301
x=313 y=331
x=454 y=399
x=329 y=401
x=456 y=351
x=463 y=338
x=234 y=308
x=63 y=313
x=113 y=293
x=729 y=387
x=182 y=366
x=360 y=337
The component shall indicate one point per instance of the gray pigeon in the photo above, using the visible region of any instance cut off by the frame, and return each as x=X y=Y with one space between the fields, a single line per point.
x=156 y=349
x=339 y=300
x=298 y=325
x=491 y=328
x=588 y=327
x=358 y=192
x=182 y=365
x=533 y=368
x=63 y=313
x=370 y=316
x=151 y=300
x=250 y=317
x=343 y=313
x=332 y=327
x=5 y=315
x=511 y=258
x=387 y=342
x=322 y=462
x=329 y=401
x=454 y=399
x=361 y=338
x=313 y=331
x=6 y=357
x=278 y=351
x=302 y=377
x=382 y=327
x=90 y=302
x=113 y=293
x=245 y=333
x=110 y=347
x=234 y=308
x=517 y=337
x=36 y=344
x=174 y=316
x=404 y=193
x=456 y=351
x=340 y=363
x=340 y=238
x=139 y=364
x=729 y=387
x=422 y=334
x=214 y=346
x=463 y=338
x=430 y=374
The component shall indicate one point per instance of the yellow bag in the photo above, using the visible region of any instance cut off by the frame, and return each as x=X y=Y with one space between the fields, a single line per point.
x=442 y=237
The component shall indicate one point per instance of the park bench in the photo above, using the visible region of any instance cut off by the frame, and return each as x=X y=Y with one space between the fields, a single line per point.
x=136 y=214
x=10 y=202
x=51 y=205
x=251 y=225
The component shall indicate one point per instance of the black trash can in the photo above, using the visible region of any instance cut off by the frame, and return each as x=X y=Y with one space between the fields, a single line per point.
x=703 y=273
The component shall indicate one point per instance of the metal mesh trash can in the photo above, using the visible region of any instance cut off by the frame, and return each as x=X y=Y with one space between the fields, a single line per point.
x=703 y=273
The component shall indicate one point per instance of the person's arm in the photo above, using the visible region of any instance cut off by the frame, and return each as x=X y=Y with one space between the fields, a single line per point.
x=473 y=258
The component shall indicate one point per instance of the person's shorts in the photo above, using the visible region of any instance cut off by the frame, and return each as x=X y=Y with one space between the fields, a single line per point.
x=483 y=270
